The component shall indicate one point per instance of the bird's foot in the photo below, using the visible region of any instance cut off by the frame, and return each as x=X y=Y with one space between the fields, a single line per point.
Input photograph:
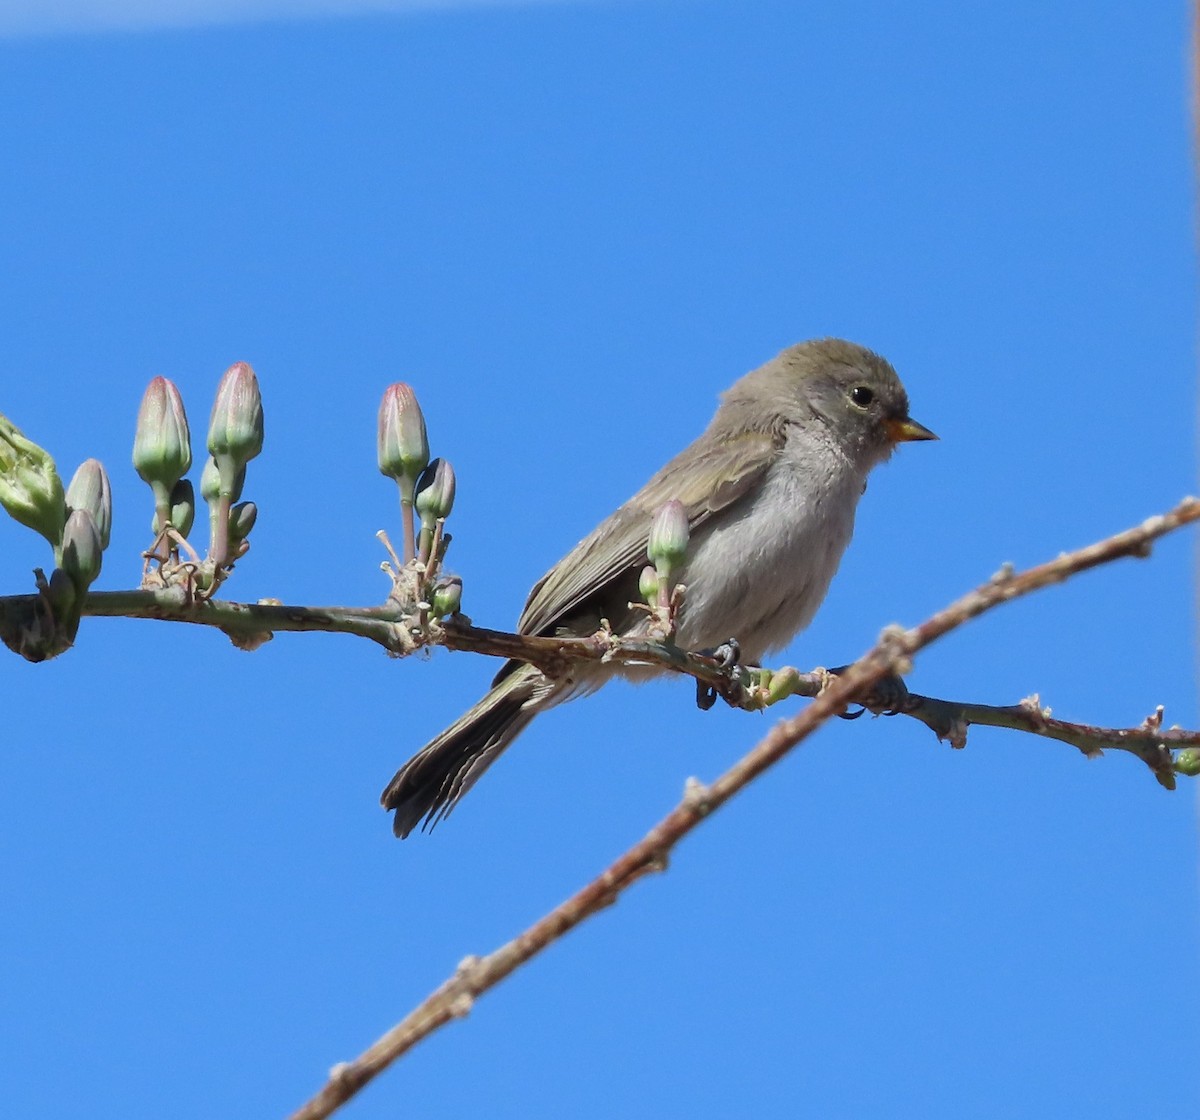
x=886 y=697
x=726 y=656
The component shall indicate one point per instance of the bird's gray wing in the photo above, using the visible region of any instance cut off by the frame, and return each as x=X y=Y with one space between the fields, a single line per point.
x=705 y=480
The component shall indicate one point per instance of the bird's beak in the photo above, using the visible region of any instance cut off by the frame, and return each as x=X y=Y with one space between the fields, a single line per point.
x=901 y=429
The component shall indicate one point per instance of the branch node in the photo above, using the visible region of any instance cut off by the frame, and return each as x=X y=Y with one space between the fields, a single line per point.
x=1153 y=722
x=248 y=642
x=657 y=861
x=466 y=967
x=954 y=733
x=1032 y=707
x=696 y=796
x=894 y=646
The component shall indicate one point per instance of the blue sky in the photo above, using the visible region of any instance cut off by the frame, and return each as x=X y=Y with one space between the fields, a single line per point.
x=570 y=226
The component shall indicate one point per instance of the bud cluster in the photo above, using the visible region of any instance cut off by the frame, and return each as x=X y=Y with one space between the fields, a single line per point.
x=162 y=456
x=666 y=549
x=76 y=522
x=426 y=496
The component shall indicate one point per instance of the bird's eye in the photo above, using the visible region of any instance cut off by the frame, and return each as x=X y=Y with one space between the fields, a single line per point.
x=861 y=396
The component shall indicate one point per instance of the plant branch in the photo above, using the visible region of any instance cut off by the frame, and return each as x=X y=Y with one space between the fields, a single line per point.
x=889 y=656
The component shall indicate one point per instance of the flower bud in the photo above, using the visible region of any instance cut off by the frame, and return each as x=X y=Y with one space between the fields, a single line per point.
x=447 y=597
x=81 y=551
x=435 y=492
x=403 y=442
x=241 y=520
x=1187 y=761
x=162 y=448
x=210 y=482
x=648 y=585
x=90 y=490
x=783 y=684
x=183 y=509
x=668 y=541
x=235 y=431
x=61 y=594
x=30 y=489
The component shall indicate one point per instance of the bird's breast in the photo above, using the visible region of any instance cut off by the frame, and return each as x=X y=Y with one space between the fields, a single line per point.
x=759 y=570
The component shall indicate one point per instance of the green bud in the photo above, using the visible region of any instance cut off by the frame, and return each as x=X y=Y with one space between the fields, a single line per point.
x=782 y=684
x=210 y=482
x=183 y=506
x=435 y=492
x=447 y=597
x=235 y=431
x=668 y=541
x=403 y=441
x=162 y=448
x=61 y=594
x=30 y=489
x=1187 y=762
x=241 y=520
x=81 y=551
x=90 y=490
x=648 y=585
x=183 y=509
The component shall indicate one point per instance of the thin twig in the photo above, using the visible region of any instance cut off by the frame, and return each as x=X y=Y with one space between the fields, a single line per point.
x=890 y=655
x=949 y=720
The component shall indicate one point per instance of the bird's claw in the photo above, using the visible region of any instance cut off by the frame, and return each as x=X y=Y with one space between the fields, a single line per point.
x=887 y=697
x=726 y=656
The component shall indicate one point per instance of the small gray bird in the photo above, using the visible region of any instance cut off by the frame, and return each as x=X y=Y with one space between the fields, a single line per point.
x=770 y=491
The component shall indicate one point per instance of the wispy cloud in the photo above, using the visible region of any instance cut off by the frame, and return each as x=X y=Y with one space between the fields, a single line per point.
x=62 y=17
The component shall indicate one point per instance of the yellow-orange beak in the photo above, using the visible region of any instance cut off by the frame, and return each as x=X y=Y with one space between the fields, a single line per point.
x=901 y=429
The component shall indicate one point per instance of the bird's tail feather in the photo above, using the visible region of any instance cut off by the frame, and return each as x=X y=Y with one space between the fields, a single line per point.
x=428 y=786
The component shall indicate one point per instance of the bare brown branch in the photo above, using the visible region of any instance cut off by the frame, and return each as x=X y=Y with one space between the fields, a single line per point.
x=890 y=655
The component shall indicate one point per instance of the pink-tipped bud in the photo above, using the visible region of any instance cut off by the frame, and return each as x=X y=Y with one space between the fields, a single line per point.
x=403 y=441
x=90 y=490
x=668 y=541
x=162 y=448
x=235 y=431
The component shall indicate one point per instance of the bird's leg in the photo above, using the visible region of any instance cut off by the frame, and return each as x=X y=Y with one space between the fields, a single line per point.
x=726 y=656
x=887 y=697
